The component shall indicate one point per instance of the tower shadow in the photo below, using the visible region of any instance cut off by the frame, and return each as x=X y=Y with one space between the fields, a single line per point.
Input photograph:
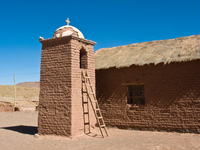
x=31 y=130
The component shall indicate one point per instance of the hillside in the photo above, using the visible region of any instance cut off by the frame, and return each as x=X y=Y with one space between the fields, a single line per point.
x=29 y=84
x=24 y=95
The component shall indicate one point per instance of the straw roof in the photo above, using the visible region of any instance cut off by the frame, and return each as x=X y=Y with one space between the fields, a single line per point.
x=162 y=51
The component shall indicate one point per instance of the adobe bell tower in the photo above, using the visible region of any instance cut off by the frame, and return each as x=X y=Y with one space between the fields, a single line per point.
x=60 y=100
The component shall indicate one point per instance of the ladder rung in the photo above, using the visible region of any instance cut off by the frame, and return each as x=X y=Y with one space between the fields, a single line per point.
x=97 y=109
x=86 y=77
x=86 y=112
x=85 y=102
x=87 y=92
x=102 y=126
x=91 y=93
x=86 y=123
x=100 y=117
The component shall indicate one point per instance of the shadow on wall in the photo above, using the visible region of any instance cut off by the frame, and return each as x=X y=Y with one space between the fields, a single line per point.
x=171 y=96
x=22 y=129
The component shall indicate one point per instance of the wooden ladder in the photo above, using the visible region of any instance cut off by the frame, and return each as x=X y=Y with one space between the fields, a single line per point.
x=94 y=103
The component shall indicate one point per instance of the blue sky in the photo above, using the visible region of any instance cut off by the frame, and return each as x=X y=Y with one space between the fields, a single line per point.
x=108 y=22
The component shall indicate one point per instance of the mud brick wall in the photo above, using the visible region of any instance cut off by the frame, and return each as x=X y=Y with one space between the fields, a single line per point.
x=5 y=108
x=172 y=96
x=60 y=103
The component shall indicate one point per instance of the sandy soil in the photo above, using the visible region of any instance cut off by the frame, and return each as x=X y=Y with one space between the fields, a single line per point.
x=17 y=131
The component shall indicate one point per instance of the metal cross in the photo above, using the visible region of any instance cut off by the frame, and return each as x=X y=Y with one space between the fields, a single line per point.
x=67 y=21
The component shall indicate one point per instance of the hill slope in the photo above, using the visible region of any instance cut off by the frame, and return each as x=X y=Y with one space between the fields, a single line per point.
x=29 y=84
x=24 y=95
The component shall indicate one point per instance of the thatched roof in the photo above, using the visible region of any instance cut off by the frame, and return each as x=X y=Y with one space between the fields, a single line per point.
x=162 y=51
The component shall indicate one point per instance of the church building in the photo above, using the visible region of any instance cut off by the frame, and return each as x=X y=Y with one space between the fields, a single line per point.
x=146 y=86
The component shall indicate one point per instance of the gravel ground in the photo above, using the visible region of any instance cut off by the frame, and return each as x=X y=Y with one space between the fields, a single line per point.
x=17 y=133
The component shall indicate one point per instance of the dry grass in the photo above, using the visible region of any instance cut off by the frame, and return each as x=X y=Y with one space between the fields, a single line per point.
x=24 y=95
x=162 y=51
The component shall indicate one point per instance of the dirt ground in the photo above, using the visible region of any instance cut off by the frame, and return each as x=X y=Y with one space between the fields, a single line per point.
x=17 y=131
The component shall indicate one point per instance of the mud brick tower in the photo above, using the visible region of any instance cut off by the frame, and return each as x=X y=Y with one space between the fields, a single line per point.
x=60 y=101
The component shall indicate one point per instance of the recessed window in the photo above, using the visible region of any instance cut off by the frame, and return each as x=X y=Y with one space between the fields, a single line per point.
x=83 y=59
x=135 y=94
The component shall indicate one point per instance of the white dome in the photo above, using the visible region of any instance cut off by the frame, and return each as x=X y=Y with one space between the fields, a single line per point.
x=67 y=30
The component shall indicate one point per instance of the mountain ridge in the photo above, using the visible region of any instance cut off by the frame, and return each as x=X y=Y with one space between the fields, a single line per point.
x=33 y=84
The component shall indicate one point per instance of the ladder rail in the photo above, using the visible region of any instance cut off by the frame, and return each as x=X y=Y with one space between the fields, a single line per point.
x=93 y=106
x=95 y=98
x=96 y=102
x=87 y=81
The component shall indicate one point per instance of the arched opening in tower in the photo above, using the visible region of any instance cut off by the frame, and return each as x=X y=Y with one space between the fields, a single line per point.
x=83 y=59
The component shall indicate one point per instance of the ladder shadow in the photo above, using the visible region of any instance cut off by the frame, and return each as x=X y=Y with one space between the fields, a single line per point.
x=94 y=135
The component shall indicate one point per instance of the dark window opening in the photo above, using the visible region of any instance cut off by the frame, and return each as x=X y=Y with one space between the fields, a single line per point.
x=135 y=94
x=83 y=59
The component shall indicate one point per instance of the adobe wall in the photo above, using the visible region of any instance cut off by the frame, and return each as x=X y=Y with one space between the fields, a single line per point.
x=6 y=108
x=172 y=97
x=55 y=88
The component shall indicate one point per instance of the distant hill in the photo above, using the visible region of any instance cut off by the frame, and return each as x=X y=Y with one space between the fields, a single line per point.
x=24 y=95
x=29 y=84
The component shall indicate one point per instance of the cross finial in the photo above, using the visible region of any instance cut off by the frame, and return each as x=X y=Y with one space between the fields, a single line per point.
x=67 y=21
